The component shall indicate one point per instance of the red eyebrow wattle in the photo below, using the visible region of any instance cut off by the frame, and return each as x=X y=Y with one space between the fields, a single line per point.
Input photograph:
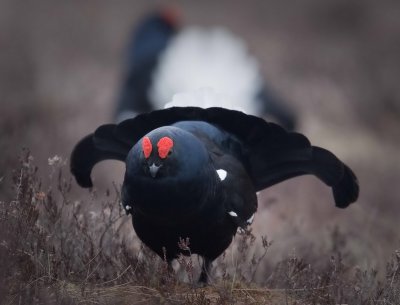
x=164 y=146
x=147 y=147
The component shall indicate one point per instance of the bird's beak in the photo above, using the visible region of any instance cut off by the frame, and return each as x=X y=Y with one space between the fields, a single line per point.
x=154 y=169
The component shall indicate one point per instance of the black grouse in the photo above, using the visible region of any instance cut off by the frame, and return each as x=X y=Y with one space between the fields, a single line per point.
x=194 y=173
x=163 y=58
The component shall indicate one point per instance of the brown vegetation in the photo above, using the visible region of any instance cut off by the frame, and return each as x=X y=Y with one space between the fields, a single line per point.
x=55 y=252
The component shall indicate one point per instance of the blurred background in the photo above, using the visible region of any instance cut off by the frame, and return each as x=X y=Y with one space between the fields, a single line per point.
x=336 y=63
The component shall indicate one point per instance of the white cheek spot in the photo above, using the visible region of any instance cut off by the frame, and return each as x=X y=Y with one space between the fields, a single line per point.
x=250 y=220
x=221 y=174
x=232 y=213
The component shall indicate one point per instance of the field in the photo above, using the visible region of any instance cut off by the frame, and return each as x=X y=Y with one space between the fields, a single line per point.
x=336 y=63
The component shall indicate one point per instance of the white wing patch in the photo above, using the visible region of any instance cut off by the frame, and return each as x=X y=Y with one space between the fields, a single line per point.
x=250 y=220
x=232 y=213
x=222 y=174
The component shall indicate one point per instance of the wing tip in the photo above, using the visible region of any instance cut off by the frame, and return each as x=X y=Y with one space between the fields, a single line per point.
x=80 y=159
x=346 y=191
x=83 y=179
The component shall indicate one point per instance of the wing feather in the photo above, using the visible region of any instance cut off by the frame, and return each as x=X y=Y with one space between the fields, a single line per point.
x=269 y=153
x=96 y=147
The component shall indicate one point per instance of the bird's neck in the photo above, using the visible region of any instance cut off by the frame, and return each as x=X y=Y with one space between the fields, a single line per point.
x=173 y=199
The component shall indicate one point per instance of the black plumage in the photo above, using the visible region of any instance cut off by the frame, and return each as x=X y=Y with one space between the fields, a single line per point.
x=148 y=41
x=202 y=184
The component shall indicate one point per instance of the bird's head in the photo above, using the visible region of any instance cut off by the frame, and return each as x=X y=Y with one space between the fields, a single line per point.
x=160 y=166
x=154 y=159
x=166 y=152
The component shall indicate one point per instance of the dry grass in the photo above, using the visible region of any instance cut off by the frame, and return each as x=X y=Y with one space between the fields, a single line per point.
x=56 y=252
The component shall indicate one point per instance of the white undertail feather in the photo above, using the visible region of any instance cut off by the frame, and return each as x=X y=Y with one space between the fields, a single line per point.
x=205 y=98
x=232 y=213
x=207 y=58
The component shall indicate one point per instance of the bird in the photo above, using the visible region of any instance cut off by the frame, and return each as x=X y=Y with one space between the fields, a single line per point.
x=164 y=57
x=193 y=173
x=147 y=42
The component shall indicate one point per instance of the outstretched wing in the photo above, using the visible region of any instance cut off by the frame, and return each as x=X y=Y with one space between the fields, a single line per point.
x=96 y=147
x=270 y=153
x=308 y=160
